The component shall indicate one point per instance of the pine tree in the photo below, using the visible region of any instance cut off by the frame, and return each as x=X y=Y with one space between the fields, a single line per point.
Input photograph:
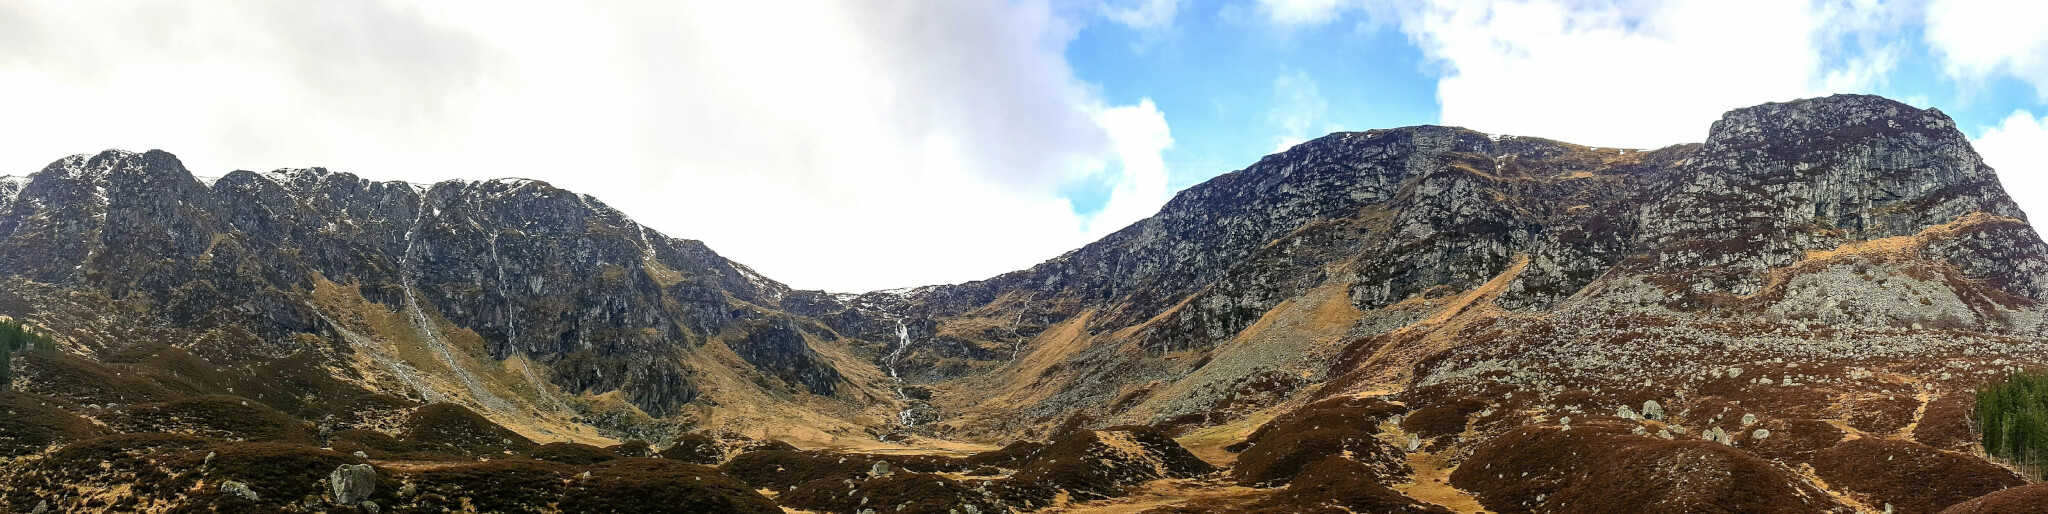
x=2012 y=417
x=8 y=331
x=15 y=337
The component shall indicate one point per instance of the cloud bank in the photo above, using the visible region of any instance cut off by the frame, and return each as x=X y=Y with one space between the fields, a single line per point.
x=1628 y=74
x=837 y=145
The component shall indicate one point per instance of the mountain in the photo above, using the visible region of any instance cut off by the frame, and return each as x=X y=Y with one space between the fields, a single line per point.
x=1820 y=284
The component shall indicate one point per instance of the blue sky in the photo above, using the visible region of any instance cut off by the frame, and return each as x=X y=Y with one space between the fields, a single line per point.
x=1231 y=79
x=857 y=145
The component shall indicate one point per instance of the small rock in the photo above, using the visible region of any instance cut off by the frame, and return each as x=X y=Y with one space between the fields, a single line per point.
x=42 y=506
x=240 y=490
x=881 y=469
x=1748 y=419
x=1653 y=410
x=1760 y=434
x=360 y=455
x=370 y=507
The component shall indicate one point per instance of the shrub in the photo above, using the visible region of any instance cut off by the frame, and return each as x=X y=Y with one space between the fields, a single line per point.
x=2012 y=420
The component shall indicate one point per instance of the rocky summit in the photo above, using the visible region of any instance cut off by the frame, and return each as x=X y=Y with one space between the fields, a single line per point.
x=1794 y=315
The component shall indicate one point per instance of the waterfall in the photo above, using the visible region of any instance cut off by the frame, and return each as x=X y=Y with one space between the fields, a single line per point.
x=906 y=417
x=408 y=273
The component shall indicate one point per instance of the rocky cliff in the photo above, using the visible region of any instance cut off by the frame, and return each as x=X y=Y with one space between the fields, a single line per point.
x=1853 y=211
x=458 y=276
x=519 y=298
x=1389 y=320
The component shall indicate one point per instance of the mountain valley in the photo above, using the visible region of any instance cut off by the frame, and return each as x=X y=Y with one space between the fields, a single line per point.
x=1794 y=315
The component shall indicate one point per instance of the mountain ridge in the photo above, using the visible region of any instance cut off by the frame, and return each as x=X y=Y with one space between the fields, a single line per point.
x=1817 y=285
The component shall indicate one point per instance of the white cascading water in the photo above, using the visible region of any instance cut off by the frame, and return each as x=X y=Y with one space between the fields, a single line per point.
x=408 y=271
x=906 y=417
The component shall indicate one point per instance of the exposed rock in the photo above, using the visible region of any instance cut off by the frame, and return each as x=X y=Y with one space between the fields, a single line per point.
x=240 y=490
x=352 y=483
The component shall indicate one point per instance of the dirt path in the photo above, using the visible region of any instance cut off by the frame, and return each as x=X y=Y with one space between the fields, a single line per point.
x=1431 y=480
x=1925 y=395
x=1202 y=493
x=1432 y=483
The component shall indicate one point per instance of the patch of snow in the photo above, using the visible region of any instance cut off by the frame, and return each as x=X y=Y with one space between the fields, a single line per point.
x=11 y=186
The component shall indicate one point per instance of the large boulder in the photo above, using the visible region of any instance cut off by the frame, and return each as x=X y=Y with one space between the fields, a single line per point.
x=352 y=483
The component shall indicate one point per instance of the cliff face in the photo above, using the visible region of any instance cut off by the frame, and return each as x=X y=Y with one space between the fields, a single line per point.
x=531 y=270
x=1190 y=314
x=1357 y=260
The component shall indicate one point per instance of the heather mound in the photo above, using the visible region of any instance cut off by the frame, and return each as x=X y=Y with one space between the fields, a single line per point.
x=383 y=446
x=2030 y=498
x=910 y=493
x=1336 y=484
x=1009 y=456
x=1342 y=410
x=511 y=485
x=1096 y=464
x=129 y=461
x=920 y=463
x=82 y=381
x=632 y=448
x=694 y=448
x=280 y=474
x=172 y=472
x=456 y=429
x=577 y=454
x=220 y=417
x=32 y=424
x=1598 y=466
x=1794 y=440
x=1441 y=420
x=1946 y=424
x=1911 y=477
x=781 y=469
x=1280 y=449
x=638 y=485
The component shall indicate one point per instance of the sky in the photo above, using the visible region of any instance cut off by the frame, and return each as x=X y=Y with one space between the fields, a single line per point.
x=860 y=145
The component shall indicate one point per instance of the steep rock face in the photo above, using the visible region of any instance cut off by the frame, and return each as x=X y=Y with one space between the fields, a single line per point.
x=1249 y=289
x=1777 y=180
x=533 y=270
x=1788 y=211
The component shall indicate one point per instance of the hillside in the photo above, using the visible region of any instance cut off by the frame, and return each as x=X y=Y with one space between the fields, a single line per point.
x=1789 y=316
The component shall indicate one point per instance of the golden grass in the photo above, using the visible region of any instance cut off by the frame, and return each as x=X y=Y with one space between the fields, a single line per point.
x=1390 y=365
x=1878 y=250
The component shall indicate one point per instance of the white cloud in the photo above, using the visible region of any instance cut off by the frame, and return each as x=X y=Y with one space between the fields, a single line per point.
x=1297 y=110
x=1139 y=134
x=838 y=145
x=1631 y=75
x=1978 y=39
x=1141 y=14
x=1624 y=73
x=1295 y=12
x=2014 y=148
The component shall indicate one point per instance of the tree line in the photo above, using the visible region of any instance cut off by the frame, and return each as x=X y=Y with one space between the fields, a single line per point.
x=16 y=337
x=2012 y=417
